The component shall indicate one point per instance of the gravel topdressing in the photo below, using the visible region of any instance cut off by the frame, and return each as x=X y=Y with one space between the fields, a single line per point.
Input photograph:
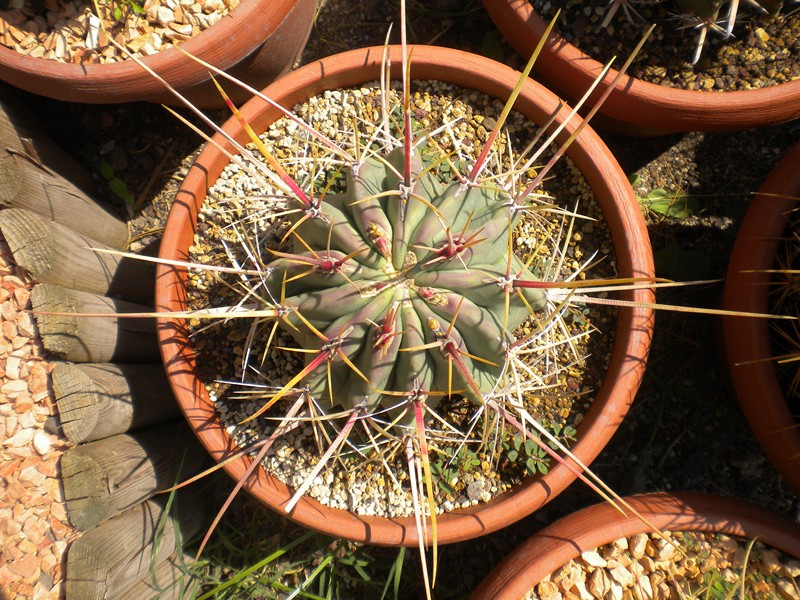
x=762 y=52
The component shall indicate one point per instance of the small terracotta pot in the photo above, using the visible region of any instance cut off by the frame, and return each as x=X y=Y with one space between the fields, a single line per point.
x=637 y=107
x=601 y=524
x=258 y=41
x=633 y=255
x=747 y=341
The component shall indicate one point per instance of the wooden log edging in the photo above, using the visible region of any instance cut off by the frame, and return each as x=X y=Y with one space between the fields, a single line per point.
x=171 y=580
x=115 y=555
x=50 y=221
x=93 y=339
x=36 y=175
x=96 y=401
x=106 y=477
x=20 y=129
x=55 y=254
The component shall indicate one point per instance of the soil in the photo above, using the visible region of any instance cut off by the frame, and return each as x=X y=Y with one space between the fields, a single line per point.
x=685 y=430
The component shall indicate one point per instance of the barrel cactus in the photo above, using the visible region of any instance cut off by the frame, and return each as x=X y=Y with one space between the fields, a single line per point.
x=403 y=289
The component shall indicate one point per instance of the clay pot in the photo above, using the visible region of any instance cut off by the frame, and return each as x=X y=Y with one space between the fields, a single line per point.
x=633 y=258
x=258 y=41
x=747 y=341
x=601 y=524
x=637 y=107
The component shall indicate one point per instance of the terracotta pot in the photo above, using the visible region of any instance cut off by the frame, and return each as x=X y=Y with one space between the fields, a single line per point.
x=748 y=340
x=637 y=107
x=633 y=258
x=257 y=42
x=601 y=524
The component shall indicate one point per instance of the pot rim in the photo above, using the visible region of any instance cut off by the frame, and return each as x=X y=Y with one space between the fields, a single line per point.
x=601 y=524
x=619 y=205
x=748 y=340
x=653 y=109
x=234 y=37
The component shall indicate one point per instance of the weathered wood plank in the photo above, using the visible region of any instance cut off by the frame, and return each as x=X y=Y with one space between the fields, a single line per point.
x=19 y=129
x=93 y=339
x=55 y=254
x=171 y=580
x=106 y=477
x=108 y=559
x=37 y=176
x=96 y=401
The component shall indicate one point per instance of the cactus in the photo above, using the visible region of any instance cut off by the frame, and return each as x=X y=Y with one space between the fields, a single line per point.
x=400 y=281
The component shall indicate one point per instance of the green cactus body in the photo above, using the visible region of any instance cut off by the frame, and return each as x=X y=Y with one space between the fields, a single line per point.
x=399 y=279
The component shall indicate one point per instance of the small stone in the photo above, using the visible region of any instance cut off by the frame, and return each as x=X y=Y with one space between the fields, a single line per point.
x=23 y=403
x=49 y=561
x=41 y=590
x=49 y=466
x=37 y=380
x=12 y=367
x=27 y=420
x=210 y=6
x=183 y=29
x=548 y=590
x=787 y=589
x=9 y=330
x=8 y=467
x=26 y=567
x=8 y=311
x=791 y=568
x=34 y=529
x=19 y=439
x=41 y=442
x=161 y=15
x=643 y=588
x=621 y=575
x=10 y=527
x=593 y=559
x=599 y=583
x=59 y=528
x=33 y=476
x=665 y=550
x=93 y=33
x=11 y=387
x=174 y=36
x=615 y=592
x=637 y=545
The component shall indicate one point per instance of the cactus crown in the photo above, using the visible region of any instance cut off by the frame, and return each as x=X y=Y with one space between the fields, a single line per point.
x=399 y=280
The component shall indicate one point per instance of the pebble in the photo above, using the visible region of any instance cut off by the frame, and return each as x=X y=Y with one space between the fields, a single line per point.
x=28 y=455
x=41 y=442
x=26 y=567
